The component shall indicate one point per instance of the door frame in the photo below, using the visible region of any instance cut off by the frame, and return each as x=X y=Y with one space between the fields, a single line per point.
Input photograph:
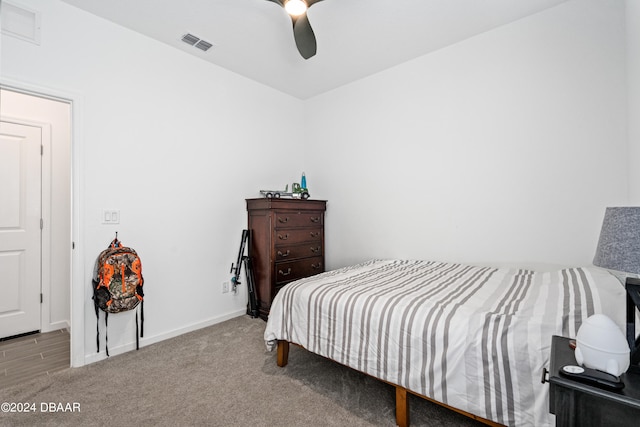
x=76 y=291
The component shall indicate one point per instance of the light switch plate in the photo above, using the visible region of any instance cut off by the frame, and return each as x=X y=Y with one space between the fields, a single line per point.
x=111 y=216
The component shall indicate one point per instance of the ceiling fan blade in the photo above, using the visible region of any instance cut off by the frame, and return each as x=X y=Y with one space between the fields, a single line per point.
x=304 y=36
x=302 y=31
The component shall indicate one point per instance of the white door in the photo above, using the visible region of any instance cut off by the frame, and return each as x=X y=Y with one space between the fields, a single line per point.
x=20 y=232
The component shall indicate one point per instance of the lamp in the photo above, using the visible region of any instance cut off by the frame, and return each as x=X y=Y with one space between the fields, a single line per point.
x=295 y=7
x=619 y=249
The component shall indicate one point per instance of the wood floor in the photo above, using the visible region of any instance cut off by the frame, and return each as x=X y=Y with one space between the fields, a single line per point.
x=31 y=356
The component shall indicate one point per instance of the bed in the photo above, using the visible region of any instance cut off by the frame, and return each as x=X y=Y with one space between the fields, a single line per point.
x=472 y=338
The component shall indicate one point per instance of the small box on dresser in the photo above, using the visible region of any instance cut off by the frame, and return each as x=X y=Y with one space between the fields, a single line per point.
x=287 y=243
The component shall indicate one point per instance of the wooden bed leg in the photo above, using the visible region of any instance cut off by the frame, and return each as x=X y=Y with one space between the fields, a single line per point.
x=283 y=353
x=402 y=407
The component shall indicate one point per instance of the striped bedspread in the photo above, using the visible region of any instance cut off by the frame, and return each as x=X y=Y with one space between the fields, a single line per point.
x=475 y=338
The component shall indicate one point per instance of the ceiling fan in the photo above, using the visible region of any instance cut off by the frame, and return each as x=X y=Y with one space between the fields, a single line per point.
x=302 y=31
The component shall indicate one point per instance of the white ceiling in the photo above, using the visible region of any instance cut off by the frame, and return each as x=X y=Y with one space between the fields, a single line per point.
x=356 y=38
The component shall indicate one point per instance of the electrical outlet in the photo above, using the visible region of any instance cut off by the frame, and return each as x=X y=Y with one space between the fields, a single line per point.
x=225 y=287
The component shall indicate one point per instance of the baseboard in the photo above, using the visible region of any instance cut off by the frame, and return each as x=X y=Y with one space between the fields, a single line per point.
x=114 y=351
x=63 y=324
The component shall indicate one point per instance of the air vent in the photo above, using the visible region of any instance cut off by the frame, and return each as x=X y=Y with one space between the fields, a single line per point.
x=190 y=39
x=203 y=45
x=21 y=23
x=197 y=42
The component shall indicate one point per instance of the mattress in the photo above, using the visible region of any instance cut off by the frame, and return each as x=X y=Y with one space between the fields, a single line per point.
x=475 y=338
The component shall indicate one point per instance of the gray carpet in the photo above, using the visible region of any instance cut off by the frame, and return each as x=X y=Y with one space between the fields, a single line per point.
x=217 y=376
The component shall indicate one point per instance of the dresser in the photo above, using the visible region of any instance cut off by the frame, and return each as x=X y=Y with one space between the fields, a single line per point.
x=286 y=244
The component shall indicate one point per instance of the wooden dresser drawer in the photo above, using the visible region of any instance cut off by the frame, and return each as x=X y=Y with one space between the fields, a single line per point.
x=292 y=270
x=298 y=219
x=304 y=250
x=293 y=236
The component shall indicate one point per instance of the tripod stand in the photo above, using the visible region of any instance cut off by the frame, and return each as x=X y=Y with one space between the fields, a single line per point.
x=252 y=304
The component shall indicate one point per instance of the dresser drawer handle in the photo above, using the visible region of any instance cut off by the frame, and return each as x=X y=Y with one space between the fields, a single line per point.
x=315 y=250
x=283 y=255
x=317 y=266
x=283 y=220
x=315 y=219
x=285 y=237
x=282 y=273
x=315 y=234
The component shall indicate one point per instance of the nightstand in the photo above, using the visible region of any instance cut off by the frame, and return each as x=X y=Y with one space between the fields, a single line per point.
x=578 y=404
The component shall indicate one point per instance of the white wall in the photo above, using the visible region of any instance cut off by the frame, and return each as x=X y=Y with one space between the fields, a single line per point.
x=506 y=147
x=175 y=144
x=633 y=82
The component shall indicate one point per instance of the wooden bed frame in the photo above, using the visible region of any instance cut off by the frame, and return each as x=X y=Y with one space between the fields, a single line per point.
x=402 y=401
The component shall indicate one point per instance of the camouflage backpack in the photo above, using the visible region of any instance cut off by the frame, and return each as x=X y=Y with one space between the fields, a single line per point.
x=117 y=285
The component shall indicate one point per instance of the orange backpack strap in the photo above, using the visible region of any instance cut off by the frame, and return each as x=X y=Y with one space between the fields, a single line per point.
x=123 y=269
x=136 y=266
